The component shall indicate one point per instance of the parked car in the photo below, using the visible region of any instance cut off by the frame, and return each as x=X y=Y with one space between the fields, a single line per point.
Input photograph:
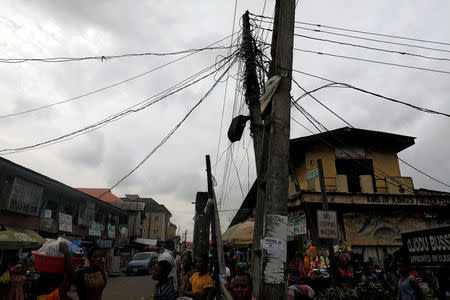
x=142 y=262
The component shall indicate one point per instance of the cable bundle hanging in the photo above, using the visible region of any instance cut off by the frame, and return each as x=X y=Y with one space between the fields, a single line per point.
x=132 y=109
x=167 y=137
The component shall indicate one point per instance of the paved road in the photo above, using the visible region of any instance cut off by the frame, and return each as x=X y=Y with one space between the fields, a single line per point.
x=129 y=287
x=125 y=287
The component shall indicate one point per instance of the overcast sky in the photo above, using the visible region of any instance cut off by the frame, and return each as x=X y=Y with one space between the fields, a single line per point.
x=174 y=174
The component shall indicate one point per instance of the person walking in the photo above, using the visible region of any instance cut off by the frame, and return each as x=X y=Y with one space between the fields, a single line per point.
x=408 y=287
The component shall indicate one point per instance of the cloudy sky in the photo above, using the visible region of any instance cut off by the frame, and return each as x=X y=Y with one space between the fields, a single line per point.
x=173 y=175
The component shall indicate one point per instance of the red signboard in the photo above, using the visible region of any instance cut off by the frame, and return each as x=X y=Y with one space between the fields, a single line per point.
x=327 y=224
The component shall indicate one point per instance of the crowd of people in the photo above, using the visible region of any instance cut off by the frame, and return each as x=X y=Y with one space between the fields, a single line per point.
x=185 y=277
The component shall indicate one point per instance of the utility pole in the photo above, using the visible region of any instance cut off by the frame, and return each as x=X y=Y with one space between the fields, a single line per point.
x=185 y=240
x=252 y=94
x=252 y=91
x=323 y=190
x=271 y=222
x=217 y=245
x=201 y=225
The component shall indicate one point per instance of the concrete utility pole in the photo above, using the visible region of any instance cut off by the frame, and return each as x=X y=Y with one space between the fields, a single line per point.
x=273 y=183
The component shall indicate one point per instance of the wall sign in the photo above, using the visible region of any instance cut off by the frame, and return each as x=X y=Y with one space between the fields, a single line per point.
x=327 y=224
x=65 y=222
x=311 y=175
x=111 y=231
x=297 y=225
x=95 y=229
x=429 y=247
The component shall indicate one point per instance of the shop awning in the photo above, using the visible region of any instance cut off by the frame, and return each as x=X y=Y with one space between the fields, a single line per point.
x=239 y=235
x=148 y=242
x=16 y=237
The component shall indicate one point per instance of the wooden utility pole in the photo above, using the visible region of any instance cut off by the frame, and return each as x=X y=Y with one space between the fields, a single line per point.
x=252 y=91
x=217 y=245
x=252 y=94
x=323 y=190
x=271 y=222
x=201 y=225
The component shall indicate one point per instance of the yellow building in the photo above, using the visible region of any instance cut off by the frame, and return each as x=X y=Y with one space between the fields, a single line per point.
x=375 y=204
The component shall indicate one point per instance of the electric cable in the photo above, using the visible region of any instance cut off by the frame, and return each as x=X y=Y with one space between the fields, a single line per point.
x=408 y=164
x=374 y=33
x=372 y=61
x=364 y=38
x=346 y=85
x=144 y=104
x=108 y=86
x=318 y=101
x=103 y=58
x=167 y=137
x=373 y=48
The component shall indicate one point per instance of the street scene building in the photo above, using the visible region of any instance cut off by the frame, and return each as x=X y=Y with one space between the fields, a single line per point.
x=232 y=150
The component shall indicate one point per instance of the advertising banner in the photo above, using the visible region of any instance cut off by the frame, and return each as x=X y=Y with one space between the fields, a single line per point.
x=429 y=247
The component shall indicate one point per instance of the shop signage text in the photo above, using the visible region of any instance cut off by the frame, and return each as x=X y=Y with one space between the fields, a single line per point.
x=429 y=247
x=327 y=224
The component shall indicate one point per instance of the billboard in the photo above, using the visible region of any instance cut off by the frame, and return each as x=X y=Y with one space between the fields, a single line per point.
x=429 y=247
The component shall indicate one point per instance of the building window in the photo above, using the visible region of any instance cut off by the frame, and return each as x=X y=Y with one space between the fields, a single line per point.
x=25 y=197
x=155 y=231
x=353 y=169
x=156 y=218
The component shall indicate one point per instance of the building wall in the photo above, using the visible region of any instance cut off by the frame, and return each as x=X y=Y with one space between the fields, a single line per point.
x=385 y=163
x=158 y=226
x=171 y=231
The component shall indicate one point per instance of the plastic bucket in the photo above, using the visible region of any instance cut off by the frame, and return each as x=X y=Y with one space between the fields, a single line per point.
x=52 y=264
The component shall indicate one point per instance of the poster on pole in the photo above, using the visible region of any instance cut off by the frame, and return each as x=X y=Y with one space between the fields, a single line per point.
x=65 y=222
x=327 y=224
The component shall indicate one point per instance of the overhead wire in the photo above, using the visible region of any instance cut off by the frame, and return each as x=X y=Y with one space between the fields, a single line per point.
x=410 y=165
x=363 y=38
x=372 y=61
x=103 y=58
x=132 y=109
x=344 y=149
x=346 y=85
x=374 y=33
x=226 y=90
x=111 y=85
x=167 y=137
x=373 y=48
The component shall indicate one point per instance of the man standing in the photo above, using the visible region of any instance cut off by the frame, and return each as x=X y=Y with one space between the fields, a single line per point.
x=167 y=255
